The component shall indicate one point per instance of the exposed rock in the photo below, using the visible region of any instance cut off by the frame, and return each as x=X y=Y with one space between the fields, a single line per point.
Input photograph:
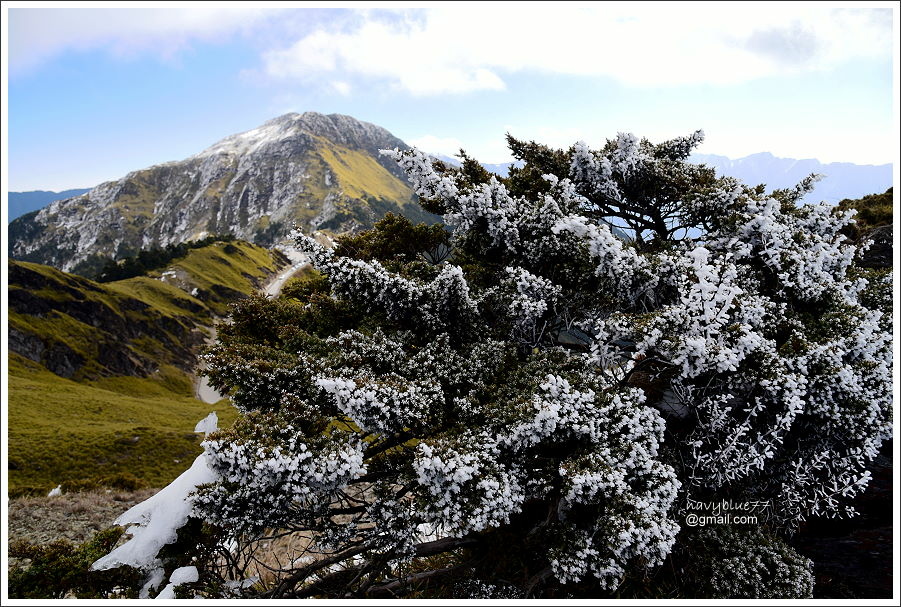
x=320 y=172
x=66 y=322
x=879 y=251
x=853 y=557
x=25 y=344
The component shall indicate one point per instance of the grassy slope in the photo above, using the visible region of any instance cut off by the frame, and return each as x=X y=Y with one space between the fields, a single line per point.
x=223 y=271
x=360 y=175
x=369 y=190
x=82 y=432
x=62 y=431
x=89 y=318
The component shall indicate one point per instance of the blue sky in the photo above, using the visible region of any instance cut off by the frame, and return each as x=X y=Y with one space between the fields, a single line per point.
x=96 y=93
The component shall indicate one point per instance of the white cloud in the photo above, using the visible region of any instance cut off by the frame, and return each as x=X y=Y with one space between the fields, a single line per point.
x=341 y=87
x=459 y=49
x=36 y=35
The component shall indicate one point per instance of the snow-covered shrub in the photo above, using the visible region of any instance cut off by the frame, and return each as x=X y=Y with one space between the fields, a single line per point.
x=614 y=333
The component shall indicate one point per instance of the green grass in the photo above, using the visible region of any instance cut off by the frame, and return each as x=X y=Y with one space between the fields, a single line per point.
x=873 y=210
x=223 y=271
x=167 y=382
x=164 y=297
x=359 y=175
x=62 y=431
x=91 y=319
x=139 y=199
x=45 y=303
x=100 y=424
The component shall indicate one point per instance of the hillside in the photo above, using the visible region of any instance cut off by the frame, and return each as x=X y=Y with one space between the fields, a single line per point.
x=872 y=228
x=101 y=378
x=321 y=172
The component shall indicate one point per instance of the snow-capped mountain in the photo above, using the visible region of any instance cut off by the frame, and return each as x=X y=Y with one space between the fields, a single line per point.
x=318 y=171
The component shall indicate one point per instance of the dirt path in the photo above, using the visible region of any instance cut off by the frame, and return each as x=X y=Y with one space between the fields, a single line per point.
x=298 y=261
x=202 y=388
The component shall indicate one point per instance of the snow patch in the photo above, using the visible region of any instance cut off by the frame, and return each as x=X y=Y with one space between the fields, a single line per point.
x=158 y=519
x=182 y=575
x=208 y=424
x=154 y=580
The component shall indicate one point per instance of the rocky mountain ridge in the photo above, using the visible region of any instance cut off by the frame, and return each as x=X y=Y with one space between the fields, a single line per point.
x=318 y=171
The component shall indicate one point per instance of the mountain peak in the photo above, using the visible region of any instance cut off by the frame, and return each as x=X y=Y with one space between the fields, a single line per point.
x=312 y=170
x=338 y=128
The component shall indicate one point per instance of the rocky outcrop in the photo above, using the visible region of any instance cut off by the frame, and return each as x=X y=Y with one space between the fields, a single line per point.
x=320 y=172
x=878 y=251
x=78 y=329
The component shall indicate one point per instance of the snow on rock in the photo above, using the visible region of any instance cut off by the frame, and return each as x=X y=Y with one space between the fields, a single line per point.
x=182 y=575
x=58 y=490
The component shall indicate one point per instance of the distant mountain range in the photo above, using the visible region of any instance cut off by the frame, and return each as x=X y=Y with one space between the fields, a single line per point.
x=26 y=202
x=501 y=169
x=841 y=180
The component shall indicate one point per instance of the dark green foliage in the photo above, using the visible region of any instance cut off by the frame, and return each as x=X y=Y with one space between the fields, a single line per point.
x=270 y=234
x=471 y=170
x=654 y=206
x=735 y=562
x=303 y=288
x=92 y=266
x=272 y=321
x=152 y=259
x=62 y=570
x=483 y=368
x=261 y=319
x=528 y=180
x=396 y=239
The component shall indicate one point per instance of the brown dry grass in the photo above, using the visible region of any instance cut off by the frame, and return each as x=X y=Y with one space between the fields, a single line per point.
x=74 y=516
